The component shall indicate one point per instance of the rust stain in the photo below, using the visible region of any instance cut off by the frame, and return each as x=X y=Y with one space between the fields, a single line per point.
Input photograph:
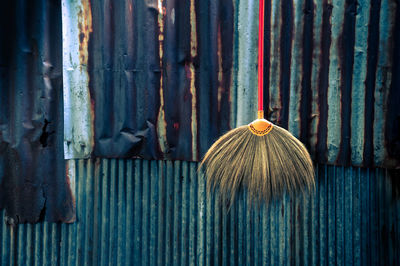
x=161 y=122
x=85 y=28
x=70 y=180
x=193 y=54
x=193 y=32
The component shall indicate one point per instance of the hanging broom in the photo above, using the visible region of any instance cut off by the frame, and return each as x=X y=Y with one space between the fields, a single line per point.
x=263 y=158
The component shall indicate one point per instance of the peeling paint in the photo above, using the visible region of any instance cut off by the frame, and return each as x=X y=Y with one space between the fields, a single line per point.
x=70 y=176
x=85 y=28
x=78 y=113
x=161 y=121
x=70 y=170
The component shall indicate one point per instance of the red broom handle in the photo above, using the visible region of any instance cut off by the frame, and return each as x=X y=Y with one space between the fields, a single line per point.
x=260 y=58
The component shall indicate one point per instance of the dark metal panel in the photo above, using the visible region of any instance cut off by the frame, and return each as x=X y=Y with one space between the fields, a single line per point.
x=157 y=78
x=392 y=125
x=32 y=171
x=383 y=78
x=134 y=212
x=369 y=39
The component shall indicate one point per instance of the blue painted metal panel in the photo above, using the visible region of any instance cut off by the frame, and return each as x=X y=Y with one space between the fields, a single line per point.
x=138 y=212
x=32 y=167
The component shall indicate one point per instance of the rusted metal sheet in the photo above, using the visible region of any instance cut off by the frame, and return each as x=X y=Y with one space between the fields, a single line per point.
x=32 y=171
x=151 y=78
x=138 y=212
x=166 y=78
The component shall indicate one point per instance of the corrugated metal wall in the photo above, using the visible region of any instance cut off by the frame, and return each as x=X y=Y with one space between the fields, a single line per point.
x=333 y=80
x=345 y=115
x=142 y=76
x=137 y=212
x=163 y=79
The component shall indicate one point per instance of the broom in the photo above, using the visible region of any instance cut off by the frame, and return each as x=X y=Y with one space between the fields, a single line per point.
x=262 y=157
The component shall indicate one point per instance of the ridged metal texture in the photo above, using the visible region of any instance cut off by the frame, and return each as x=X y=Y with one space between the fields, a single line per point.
x=138 y=212
x=163 y=79
x=32 y=167
x=141 y=76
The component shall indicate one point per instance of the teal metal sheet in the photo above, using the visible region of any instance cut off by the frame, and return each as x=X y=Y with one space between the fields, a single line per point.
x=138 y=212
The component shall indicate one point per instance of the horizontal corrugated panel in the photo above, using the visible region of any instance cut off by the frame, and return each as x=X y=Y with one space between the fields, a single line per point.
x=32 y=168
x=137 y=212
x=163 y=79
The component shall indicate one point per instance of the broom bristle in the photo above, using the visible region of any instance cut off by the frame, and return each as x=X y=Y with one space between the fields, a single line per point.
x=266 y=166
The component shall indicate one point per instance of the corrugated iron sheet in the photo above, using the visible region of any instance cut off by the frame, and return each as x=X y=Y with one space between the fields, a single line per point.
x=32 y=167
x=138 y=212
x=78 y=115
x=166 y=78
x=152 y=77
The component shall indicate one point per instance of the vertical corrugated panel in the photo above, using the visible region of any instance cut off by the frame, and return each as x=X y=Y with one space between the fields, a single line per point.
x=78 y=115
x=163 y=79
x=330 y=76
x=245 y=79
x=32 y=170
x=137 y=212
x=142 y=76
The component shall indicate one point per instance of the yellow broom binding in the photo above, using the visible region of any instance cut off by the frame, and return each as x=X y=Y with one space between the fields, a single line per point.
x=260 y=126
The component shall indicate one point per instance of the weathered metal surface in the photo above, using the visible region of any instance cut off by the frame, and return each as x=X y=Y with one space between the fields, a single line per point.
x=78 y=113
x=246 y=62
x=138 y=212
x=150 y=78
x=32 y=170
x=167 y=78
